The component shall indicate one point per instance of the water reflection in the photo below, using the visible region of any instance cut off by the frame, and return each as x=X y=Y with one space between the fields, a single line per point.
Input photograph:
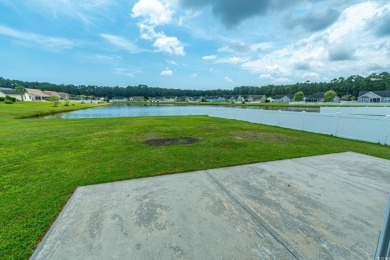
x=159 y=110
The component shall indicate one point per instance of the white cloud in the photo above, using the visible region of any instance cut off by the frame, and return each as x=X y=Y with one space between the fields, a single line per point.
x=209 y=57
x=121 y=43
x=52 y=43
x=346 y=47
x=228 y=79
x=194 y=75
x=153 y=11
x=169 y=45
x=166 y=72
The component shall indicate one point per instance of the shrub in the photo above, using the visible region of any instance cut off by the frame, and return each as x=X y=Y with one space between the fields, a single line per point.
x=8 y=101
x=2 y=99
x=10 y=98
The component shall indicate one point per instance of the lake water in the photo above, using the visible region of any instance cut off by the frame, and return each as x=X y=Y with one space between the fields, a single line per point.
x=154 y=110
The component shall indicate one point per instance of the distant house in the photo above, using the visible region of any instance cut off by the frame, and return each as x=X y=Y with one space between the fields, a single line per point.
x=181 y=99
x=64 y=95
x=11 y=93
x=35 y=95
x=197 y=98
x=256 y=98
x=374 y=96
x=282 y=98
x=119 y=99
x=319 y=97
x=137 y=98
x=215 y=99
x=52 y=94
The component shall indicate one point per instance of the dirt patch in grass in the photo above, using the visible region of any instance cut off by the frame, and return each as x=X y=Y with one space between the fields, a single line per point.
x=262 y=136
x=168 y=141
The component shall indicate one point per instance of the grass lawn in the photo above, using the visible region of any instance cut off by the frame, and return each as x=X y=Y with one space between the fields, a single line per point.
x=42 y=161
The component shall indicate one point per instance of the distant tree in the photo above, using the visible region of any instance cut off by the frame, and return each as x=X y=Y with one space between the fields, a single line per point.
x=299 y=96
x=55 y=100
x=21 y=90
x=329 y=95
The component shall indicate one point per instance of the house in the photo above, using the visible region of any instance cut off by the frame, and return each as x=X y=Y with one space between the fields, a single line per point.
x=256 y=98
x=137 y=98
x=52 y=94
x=197 y=98
x=35 y=95
x=319 y=97
x=181 y=99
x=374 y=96
x=234 y=99
x=11 y=93
x=215 y=99
x=282 y=98
x=64 y=95
x=119 y=99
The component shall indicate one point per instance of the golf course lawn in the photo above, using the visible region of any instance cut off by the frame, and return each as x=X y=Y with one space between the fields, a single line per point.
x=42 y=161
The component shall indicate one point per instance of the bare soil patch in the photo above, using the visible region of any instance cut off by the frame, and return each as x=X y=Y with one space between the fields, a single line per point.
x=168 y=141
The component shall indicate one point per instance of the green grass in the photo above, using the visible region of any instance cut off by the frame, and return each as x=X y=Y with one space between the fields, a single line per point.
x=42 y=161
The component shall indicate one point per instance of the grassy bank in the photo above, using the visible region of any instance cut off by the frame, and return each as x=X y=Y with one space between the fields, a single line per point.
x=32 y=109
x=43 y=161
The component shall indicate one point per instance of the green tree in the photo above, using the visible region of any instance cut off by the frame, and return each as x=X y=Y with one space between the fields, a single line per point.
x=329 y=95
x=299 y=96
x=21 y=90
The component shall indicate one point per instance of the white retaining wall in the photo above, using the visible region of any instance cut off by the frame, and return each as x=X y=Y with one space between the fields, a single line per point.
x=357 y=110
x=375 y=129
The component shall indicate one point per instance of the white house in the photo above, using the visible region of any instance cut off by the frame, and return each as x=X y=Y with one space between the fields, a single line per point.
x=35 y=95
x=256 y=98
x=119 y=99
x=319 y=97
x=282 y=98
x=11 y=93
x=374 y=96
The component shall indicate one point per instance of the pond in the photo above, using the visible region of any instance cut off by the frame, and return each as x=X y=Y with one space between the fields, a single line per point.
x=124 y=110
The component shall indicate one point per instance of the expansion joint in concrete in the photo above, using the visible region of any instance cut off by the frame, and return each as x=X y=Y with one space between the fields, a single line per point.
x=255 y=217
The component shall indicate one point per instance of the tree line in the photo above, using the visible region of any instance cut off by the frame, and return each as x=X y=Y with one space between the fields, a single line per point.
x=349 y=87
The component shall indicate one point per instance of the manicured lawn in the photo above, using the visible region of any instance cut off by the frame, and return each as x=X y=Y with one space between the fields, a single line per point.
x=42 y=161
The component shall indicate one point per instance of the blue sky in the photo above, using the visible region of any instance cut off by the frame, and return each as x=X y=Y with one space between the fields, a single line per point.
x=192 y=44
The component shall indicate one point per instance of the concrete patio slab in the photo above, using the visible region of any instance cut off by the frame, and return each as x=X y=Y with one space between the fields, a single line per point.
x=321 y=207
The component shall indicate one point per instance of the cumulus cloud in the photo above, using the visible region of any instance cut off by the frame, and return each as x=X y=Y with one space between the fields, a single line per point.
x=121 y=43
x=344 y=48
x=166 y=72
x=209 y=57
x=169 y=45
x=153 y=11
x=52 y=43
x=314 y=21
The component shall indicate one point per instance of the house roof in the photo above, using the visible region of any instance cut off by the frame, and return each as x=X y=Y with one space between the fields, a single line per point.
x=119 y=97
x=256 y=96
x=52 y=93
x=379 y=93
x=281 y=96
x=316 y=95
x=9 y=91
x=63 y=94
x=36 y=92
